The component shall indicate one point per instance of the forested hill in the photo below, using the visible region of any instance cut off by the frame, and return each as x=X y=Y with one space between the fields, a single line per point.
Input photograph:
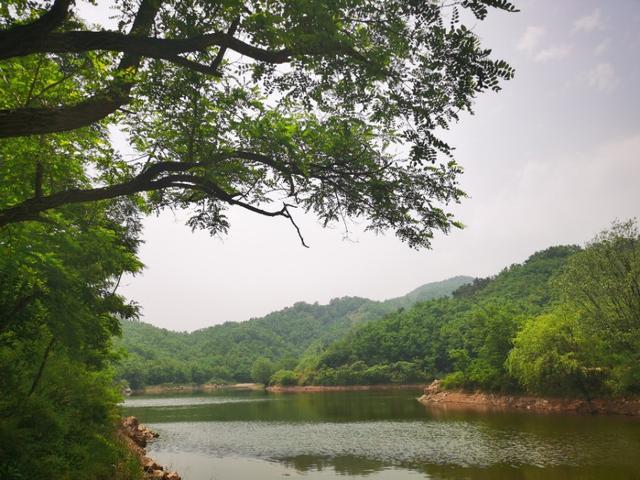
x=564 y=322
x=228 y=352
x=467 y=337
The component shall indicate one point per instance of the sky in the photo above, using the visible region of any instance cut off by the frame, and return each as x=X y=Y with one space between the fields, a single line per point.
x=552 y=159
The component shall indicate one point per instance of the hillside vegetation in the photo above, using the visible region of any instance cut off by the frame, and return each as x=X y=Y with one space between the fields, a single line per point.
x=228 y=352
x=564 y=322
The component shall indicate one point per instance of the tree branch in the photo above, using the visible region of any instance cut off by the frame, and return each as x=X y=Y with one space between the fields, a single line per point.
x=29 y=121
x=217 y=61
x=295 y=225
x=45 y=357
x=84 y=41
x=34 y=121
x=147 y=180
x=156 y=176
x=48 y=22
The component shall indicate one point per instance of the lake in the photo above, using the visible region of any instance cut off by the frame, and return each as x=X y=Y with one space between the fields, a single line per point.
x=237 y=435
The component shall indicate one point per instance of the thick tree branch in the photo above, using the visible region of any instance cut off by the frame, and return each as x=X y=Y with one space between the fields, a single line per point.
x=48 y=22
x=135 y=45
x=146 y=181
x=29 y=121
x=190 y=64
x=85 y=41
x=32 y=121
x=155 y=177
x=217 y=61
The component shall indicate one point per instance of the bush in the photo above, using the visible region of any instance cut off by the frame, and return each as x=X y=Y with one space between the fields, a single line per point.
x=454 y=380
x=284 y=378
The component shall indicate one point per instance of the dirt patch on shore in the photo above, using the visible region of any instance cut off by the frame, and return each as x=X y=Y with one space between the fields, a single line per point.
x=193 y=388
x=344 y=388
x=435 y=395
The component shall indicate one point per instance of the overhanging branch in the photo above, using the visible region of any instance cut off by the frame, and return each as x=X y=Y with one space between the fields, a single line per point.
x=48 y=22
x=151 y=47
x=157 y=176
x=33 y=121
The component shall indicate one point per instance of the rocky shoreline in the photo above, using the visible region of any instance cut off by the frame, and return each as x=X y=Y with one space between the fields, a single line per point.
x=435 y=396
x=137 y=436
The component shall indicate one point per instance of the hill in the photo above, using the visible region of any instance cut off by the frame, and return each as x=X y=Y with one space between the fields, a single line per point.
x=565 y=322
x=226 y=352
x=466 y=337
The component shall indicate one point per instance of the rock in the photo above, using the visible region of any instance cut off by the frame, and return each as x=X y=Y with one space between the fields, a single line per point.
x=435 y=395
x=136 y=432
x=433 y=388
x=149 y=464
x=136 y=436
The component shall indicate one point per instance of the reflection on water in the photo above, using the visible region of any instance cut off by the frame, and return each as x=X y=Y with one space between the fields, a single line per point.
x=237 y=435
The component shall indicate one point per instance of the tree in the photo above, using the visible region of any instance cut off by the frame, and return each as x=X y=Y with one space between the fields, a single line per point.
x=252 y=104
x=602 y=283
x=59 y=310
x=548 y=355
x=59 y=305
x=261 y=370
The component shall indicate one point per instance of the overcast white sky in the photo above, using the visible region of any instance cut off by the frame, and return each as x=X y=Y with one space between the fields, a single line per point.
x=552 y=159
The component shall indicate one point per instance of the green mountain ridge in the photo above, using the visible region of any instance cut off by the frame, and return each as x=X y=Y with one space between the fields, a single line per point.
x=226 y=352
x=469 y=334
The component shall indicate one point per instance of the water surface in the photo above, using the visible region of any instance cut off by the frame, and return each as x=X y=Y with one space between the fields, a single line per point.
x=232 y=435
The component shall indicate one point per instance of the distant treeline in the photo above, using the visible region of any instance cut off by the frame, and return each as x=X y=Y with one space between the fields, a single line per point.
x=234 y=351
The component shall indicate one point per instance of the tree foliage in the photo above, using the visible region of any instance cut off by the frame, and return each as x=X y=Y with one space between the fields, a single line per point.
x=261 y=105
x=261 y=370
x=546 y=357
x=58 y=312
x=565 y=322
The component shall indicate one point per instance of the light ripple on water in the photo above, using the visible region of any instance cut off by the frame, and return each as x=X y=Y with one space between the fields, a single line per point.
x=393 y=442
x=187 y=401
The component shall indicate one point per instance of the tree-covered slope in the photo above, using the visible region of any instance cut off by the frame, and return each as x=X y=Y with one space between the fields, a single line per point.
x=227 y=352
x=564 y=322
x=470 y=334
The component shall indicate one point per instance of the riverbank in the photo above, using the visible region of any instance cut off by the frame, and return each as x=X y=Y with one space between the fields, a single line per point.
x=435 y=396
x=136 y=437
x=343 y=388
x=193 y=388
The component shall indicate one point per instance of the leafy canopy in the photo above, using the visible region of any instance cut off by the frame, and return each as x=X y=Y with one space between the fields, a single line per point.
x=330 y=106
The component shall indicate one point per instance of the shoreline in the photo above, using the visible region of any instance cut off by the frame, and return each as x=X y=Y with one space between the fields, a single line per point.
x=344 y=388
x=190 y=388
x=435 y=396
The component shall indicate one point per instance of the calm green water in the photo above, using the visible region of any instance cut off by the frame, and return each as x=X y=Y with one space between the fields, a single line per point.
x=377 y=435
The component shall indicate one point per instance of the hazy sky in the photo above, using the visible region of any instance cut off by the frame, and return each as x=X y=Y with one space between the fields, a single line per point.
x=552 y=159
